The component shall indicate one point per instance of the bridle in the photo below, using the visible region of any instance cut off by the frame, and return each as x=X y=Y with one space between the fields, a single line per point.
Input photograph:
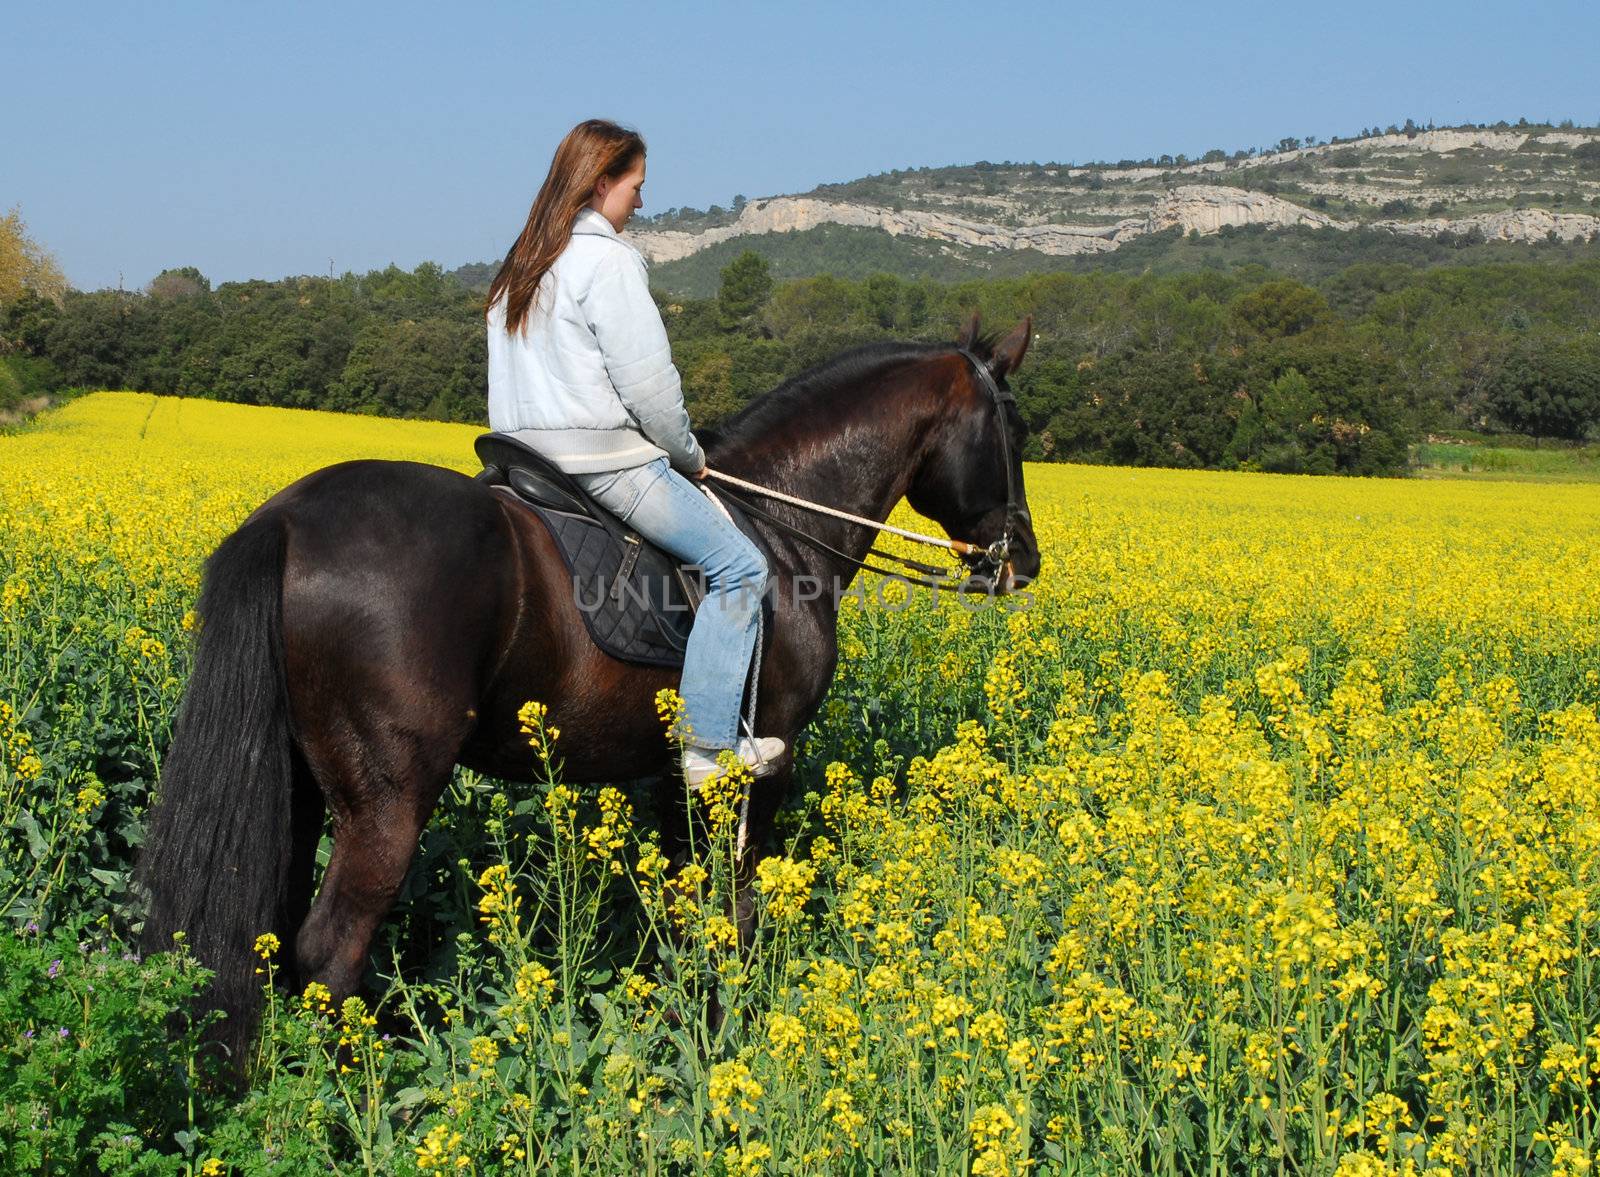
x=985 y=561
x=999 y=552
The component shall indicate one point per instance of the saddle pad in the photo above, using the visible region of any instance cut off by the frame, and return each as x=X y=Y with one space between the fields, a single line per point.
x=636 y=600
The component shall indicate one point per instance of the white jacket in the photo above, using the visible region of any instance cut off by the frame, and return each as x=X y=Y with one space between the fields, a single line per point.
x=589 y=382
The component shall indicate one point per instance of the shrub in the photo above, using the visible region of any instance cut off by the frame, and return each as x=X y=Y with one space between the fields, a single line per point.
x=97 y=1061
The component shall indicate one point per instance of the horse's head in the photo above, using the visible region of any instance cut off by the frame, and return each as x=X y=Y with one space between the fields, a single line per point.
x=970 y=477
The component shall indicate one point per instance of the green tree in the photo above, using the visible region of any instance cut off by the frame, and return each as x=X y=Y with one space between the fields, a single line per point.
x=25 y=323
x=423 y=293
x=1278 y=309
x=185 y=282
x=102 y=339
x=434 y=368
x=823 y=303
x=11 y=391
x=746 y=285
x=1549 y=386
x=709 y=388
x=882 y=294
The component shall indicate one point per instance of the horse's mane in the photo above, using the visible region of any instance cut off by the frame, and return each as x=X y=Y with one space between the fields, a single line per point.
x=816 y=387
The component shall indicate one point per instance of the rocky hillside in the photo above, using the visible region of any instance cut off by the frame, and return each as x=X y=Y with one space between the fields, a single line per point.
x=1525 y=184
x=1528 y=184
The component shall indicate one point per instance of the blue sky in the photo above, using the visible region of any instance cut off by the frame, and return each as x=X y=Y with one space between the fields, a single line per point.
x=284 y=138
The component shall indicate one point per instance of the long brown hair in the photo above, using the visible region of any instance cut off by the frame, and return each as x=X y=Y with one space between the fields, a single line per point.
x=592 y=149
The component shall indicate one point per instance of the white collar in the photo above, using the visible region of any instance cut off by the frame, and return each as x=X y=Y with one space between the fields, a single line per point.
x=590 y=221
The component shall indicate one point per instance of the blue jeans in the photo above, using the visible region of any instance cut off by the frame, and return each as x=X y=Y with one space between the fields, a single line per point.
x=670 y=511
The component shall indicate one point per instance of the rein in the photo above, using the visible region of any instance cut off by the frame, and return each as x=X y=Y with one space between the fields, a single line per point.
x=994 y=554
x=961 y=547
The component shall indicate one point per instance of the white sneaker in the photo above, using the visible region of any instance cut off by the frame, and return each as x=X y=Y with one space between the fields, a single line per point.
x=759 y=754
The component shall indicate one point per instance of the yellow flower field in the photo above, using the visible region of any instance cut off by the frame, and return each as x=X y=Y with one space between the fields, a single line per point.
x=1264 y=838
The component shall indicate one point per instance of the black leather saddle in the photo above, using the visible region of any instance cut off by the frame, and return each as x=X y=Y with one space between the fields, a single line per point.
x=637 y=600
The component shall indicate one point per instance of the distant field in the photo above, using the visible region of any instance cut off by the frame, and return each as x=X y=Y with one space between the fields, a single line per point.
x=1550 y=462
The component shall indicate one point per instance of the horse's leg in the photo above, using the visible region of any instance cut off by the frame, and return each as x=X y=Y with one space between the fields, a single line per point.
x=794 y=678
x=389 y=789
x=306 y=812
x=398 y=594
x=683 y=839
x=766 y=796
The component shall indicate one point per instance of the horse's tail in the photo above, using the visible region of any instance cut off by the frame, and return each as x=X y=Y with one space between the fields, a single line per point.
x=218 y=846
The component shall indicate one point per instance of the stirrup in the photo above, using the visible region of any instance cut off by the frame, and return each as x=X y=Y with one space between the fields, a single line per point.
x=759 y=755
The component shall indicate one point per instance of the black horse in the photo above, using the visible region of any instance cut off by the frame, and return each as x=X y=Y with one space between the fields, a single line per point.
x=376 y=623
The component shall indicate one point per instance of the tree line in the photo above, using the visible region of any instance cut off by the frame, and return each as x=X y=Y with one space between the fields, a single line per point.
x=1239 y=369
x=1308 y=253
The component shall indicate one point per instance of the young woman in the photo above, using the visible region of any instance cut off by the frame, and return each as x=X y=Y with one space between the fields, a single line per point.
x=580 y=369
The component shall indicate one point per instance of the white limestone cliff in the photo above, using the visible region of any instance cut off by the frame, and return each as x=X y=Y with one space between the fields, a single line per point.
x=791 y=214
x=1202 y=208
x=1208 y=208
x=1526 y=224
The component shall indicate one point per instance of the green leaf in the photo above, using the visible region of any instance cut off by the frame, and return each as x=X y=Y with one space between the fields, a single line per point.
x=30 y=828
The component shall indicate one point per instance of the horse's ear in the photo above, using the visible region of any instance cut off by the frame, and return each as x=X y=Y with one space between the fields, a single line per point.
x=969 y=333
x=1008 y=355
